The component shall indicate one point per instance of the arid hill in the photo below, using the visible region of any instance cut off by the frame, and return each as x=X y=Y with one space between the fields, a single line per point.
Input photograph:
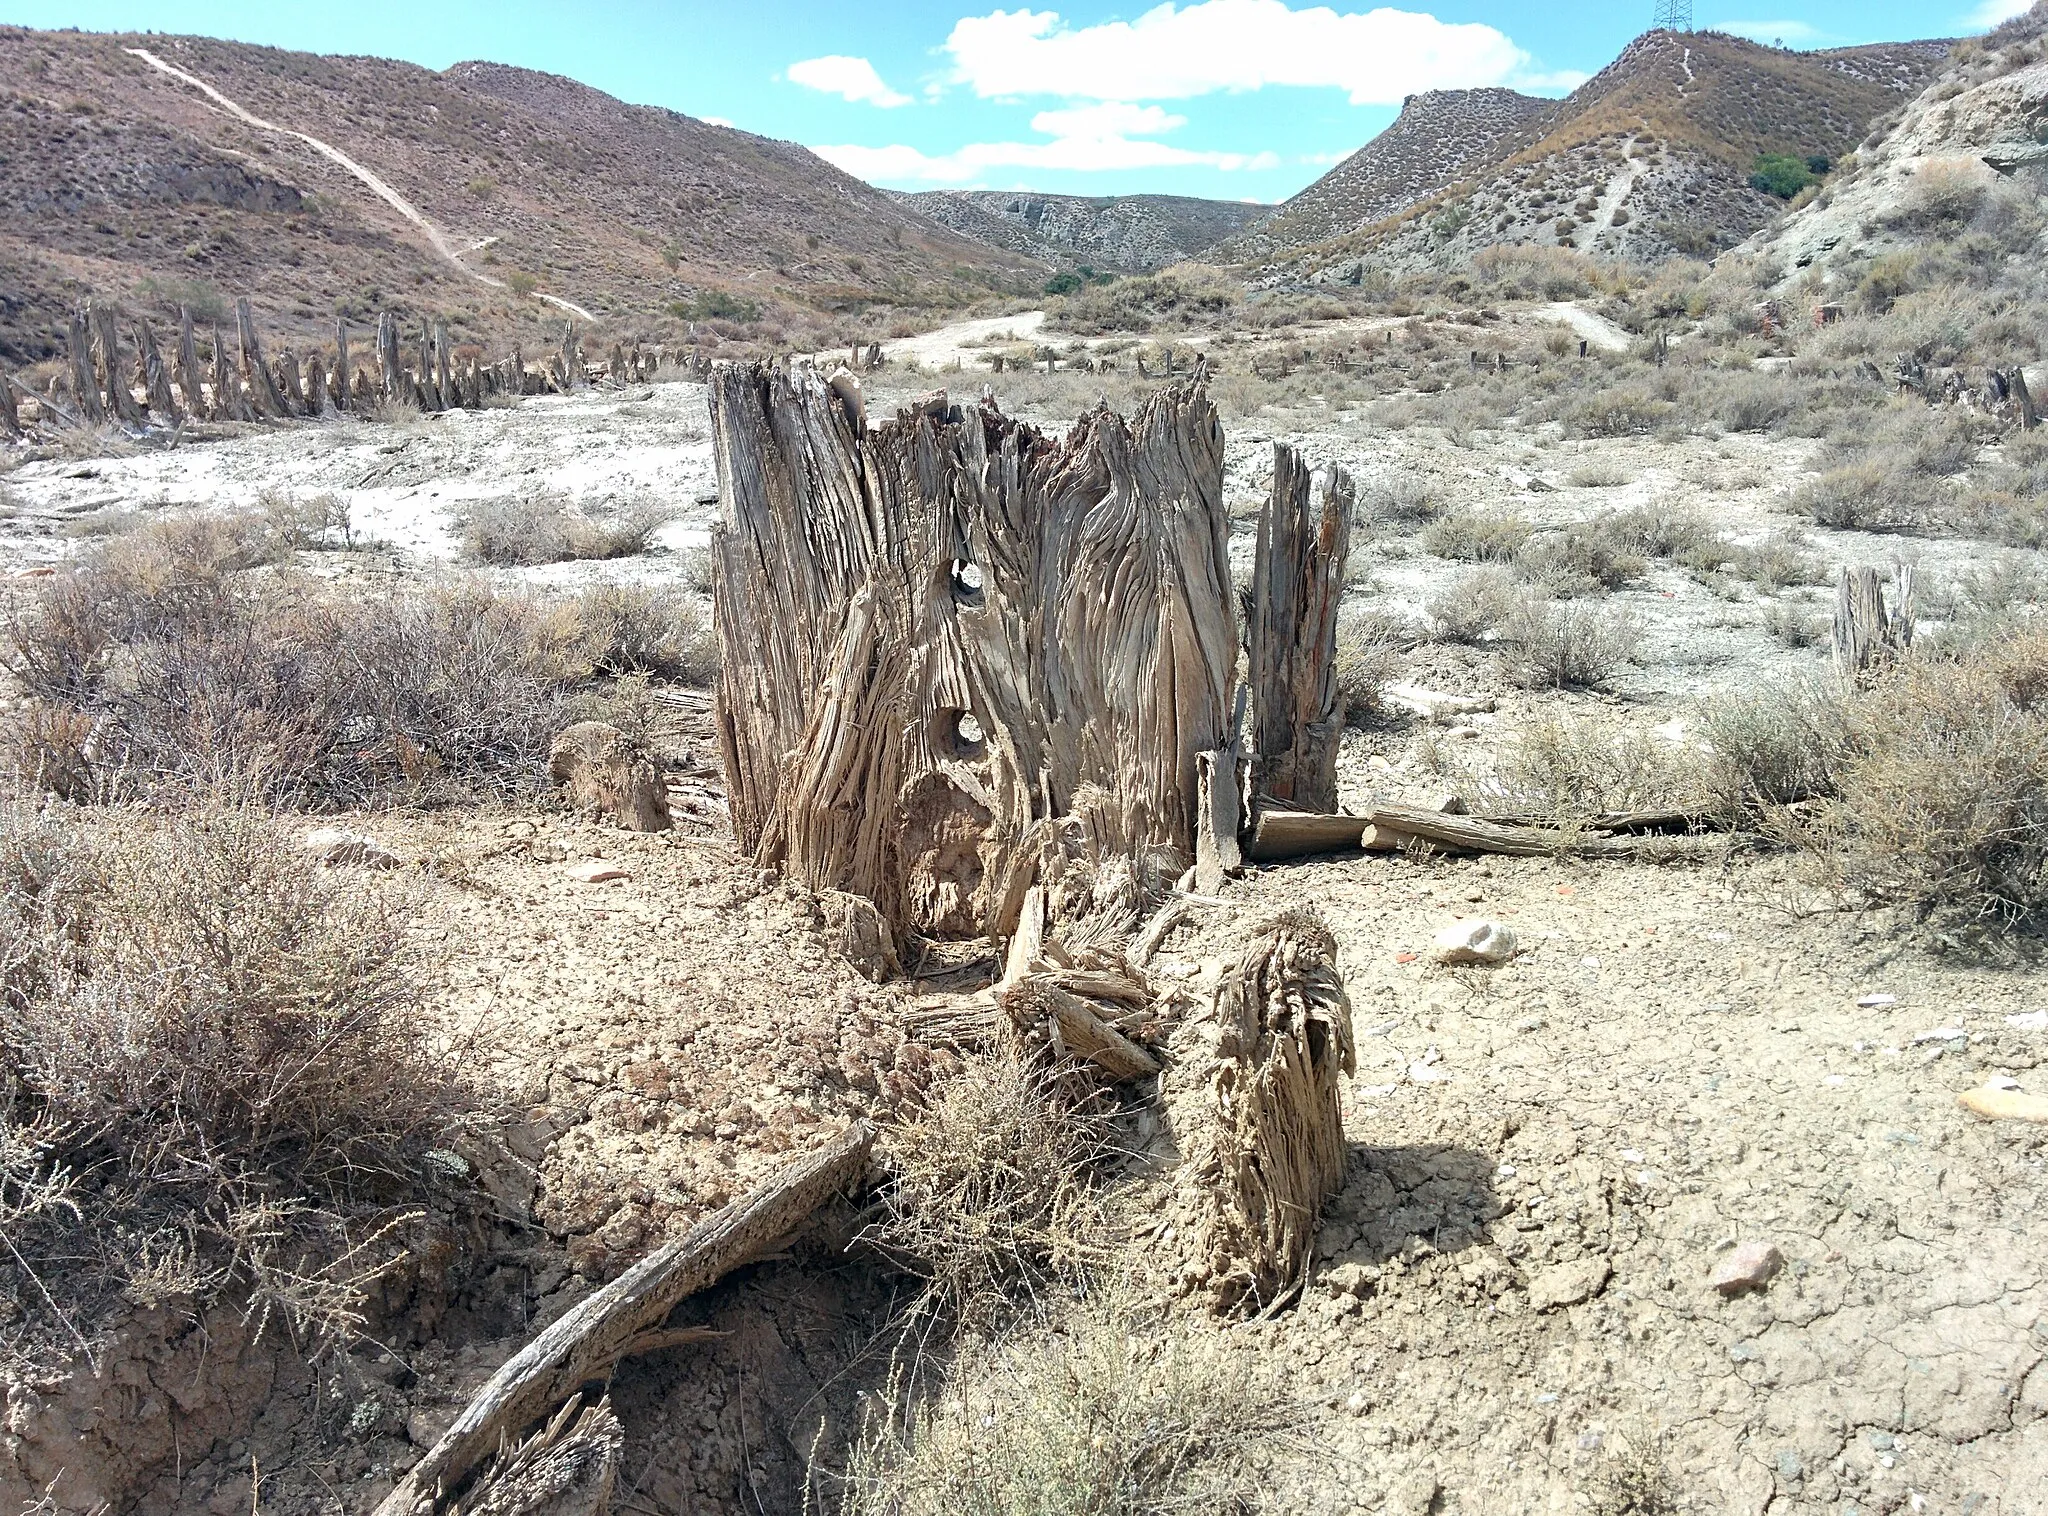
x=120 y=178
x=1649 y=158
x=1133 y=233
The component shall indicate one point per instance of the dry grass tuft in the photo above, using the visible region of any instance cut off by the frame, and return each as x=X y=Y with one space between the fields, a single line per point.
x=991 y=1188
x=1096 y=1419
x=1567 y=646
x=1583 y=766
x=547 y=528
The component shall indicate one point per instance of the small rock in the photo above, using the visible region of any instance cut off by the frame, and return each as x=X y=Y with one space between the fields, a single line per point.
x=2028 y=1021
x=547 y=850
x=1569 y=1283
x=1872 y=1002
x=1475 y=940
x=1352 y=1279
x=596 y=871
x=336 y=848
x=1747 y=1266
x=604 y=770
x=446 y=1161
x=2005 y=1104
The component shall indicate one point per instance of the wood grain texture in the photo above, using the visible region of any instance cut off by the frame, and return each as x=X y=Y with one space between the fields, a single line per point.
x=947 y=636
x=1291 y=635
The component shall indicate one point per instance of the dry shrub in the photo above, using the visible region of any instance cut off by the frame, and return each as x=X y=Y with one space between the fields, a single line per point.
x=1404 y=500
x=195 y=674
x=1584 y=558
x=1586 y=765
x=1470 y=537
x=1598 y=476
x=1174 y=296
x=310 y=523
x=1944 y=793
x=1622 y=410
x=1473 y=605
x=1871 y=497
x=226 y=1042
x=1775 y=746
x=1794 y=625
x=1368 y=654
x=1774 y=562
x=1567 y=646
x=647 y=629
x=549 y=528
x=1096 y=1419
x=991 y=1187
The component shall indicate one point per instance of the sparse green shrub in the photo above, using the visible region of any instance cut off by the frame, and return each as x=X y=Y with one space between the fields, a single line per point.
x=1869 y=497
x=1402 y=501
x=1783 y=174
x=1793 y=624
x=1185 y=292
x=1584 y=558
x=1618 y=411
x=1473 y=537
x=1772 y=747
x=1567 y=646
x=1598 y=476
x=1474 y=604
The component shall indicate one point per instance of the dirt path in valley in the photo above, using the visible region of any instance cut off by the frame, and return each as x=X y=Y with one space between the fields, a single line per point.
x=376 y=185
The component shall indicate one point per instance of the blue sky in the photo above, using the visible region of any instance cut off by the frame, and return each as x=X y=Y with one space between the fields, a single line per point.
x=1237 y=99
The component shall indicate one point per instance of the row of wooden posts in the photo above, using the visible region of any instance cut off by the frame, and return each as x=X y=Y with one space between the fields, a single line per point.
x=106 y=380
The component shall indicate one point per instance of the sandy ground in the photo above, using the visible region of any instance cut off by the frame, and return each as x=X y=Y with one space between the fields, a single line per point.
x=1548 y=1158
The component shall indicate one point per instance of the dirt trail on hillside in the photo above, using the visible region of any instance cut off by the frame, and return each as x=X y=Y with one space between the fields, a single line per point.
x=376 y=185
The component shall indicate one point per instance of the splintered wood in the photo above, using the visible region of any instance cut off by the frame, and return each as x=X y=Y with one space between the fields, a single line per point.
x=1250 y=1092
x=954 y=645
x=1297 y=581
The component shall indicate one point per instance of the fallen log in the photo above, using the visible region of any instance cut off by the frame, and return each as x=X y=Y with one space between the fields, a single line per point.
x=1394 y=826
x=1278 y=834
x=585 y=1343
x=1433 y=705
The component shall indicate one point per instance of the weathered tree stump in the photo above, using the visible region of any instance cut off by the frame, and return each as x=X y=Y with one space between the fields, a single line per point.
x=85 y=388
x=1250 y=1096
x=1867 y=631
x=948 y=636
x=191 y=378
x=263 y=395
x=1297 y=582
x=156 y=378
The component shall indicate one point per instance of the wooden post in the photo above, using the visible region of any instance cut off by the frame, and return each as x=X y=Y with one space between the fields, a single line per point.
x=191 y=379
x=954 y=644
x=338 y=386
x=156 y=378
x=444 y=378
x=85 y=388
x=106 y=342
x=1298 y=581
x=388 y=371
x=1867 y=631
x=1250 y=1095
x=263 y=393
x=2029 y=418
x=229 y=400
x=428 y=380
x=572 y=360
x=10 y=418
x=290 y=391
x=318 y=401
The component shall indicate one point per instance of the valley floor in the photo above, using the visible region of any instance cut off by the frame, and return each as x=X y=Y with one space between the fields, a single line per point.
x=1511 y=1310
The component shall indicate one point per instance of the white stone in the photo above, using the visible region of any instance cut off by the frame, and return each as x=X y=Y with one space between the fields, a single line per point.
x=596 y=871
x=1475 y=940
x=337 y=848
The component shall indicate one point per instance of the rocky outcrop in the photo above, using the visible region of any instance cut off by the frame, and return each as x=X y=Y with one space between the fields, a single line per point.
x=1131 y=233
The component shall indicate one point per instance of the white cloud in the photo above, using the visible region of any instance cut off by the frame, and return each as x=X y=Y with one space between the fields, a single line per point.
x=1561 y=80
x=1176 y=52
x=1099 y=138
x=1991 y=12
x=852 y=79
x=716 y=121
x=1087 y=155
x=1109 y=120
x=1773 y=31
